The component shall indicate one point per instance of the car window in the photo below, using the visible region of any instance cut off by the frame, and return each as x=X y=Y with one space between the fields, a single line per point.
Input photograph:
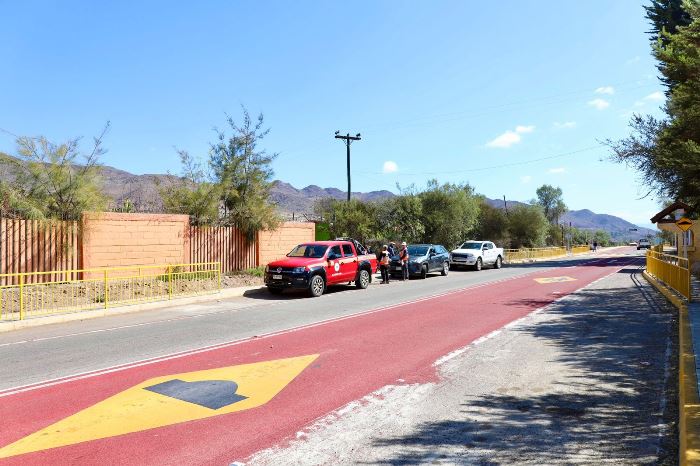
x=308 y=250
x=347 y=250
x=442 y=250
x=335 y=251
x=417 y=250
x=490 y=245
x=469 y=245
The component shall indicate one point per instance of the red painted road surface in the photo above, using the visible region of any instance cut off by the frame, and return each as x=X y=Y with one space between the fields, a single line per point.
x=357 y=356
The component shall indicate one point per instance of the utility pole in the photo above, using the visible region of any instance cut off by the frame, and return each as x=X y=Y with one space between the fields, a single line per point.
x=348 y=140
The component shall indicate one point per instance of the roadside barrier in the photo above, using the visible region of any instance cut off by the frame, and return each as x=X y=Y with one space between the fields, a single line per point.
x=540 y=253
x=673 y=271
x=88 y=289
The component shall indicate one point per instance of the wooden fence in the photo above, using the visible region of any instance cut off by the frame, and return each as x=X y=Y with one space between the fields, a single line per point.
x=39 y=246
x=226 y=245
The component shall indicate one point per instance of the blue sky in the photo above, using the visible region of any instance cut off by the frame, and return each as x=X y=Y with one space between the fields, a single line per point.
x=440 y=89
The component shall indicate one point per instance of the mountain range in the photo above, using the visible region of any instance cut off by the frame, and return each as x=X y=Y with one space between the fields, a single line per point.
x=142 y=191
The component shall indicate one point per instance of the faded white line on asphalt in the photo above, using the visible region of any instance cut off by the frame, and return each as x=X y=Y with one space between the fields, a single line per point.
x=144 y=362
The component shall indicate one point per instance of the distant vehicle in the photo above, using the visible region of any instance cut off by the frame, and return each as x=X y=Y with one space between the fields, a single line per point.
x=632 y=243
x=319 y=264
x=643 y=244
x=477 y=254
x=423 y=259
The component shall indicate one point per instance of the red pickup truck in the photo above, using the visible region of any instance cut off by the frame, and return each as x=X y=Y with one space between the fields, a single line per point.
x=316 y=265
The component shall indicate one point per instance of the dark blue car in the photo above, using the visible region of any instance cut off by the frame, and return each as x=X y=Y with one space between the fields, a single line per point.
x=423 y=259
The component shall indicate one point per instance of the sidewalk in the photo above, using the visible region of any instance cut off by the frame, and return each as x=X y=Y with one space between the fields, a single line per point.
x=586 y=380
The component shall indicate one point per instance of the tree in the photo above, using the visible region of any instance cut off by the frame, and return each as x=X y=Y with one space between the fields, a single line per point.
x=354 y=218
x=50 y=183
x=666 y=152
x=665 y=16
x=192 y=194
x=491 y=224
x=399 y=218
x=527 y=226
x=244 y=175
x=450 y=212
x=550 y=199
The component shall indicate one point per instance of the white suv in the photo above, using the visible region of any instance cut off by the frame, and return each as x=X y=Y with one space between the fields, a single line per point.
x=643 y=244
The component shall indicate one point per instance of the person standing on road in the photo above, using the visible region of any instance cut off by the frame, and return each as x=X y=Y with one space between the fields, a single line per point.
x=403 y=257
x=392 y=250
x=595 y=246
x=384 y=260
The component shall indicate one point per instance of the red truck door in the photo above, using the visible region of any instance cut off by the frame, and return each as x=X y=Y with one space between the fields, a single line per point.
x=348 y=264
x=334 y=272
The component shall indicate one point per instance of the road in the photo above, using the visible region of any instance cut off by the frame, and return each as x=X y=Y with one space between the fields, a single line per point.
x=217 y=383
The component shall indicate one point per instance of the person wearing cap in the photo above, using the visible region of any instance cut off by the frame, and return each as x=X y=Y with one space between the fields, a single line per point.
x=392 y=249
x=403 y=257
x=384 y=260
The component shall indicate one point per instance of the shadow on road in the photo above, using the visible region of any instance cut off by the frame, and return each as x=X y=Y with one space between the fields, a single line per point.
x=616 y=341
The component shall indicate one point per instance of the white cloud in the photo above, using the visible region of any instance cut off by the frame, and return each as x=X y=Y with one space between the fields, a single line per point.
x=524 y=129
x=609 y=90
x=599 y=104
x=510 y=137
x=565 y=125
x=632 y=60
x=554 y=171
x=390 y=167
x=525 y=179
x=655 y=96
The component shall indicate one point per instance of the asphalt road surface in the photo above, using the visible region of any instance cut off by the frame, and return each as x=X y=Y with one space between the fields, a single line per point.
x=501 y=366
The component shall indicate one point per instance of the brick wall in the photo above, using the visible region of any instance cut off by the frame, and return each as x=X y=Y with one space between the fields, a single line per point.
x=118 y=239
x=277 y=243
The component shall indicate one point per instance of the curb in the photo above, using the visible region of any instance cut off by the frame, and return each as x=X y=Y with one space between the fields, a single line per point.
x=225 y=293
x=688 y=400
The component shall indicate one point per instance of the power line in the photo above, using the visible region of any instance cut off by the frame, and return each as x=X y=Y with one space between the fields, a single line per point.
x=505 y=165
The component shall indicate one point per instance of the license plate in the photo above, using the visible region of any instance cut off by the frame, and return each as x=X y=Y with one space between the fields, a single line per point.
x=397 y=268
x=459 y=259
x=277 y=277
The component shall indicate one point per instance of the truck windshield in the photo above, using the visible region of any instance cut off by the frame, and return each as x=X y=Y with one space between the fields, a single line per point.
x=315 y=251
x=469 y=245
x=418 y=250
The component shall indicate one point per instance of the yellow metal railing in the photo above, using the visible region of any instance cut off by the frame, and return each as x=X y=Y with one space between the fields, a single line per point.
x=580 y=249
x=674 y=271
x=27 y=295
x=533 y=253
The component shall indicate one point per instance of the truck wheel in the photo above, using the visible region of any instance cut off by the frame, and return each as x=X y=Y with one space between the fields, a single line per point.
x=362 y=281
x=317 y=286
x=478 y=264
x=499 y=263
x=445 y=269
x=275 y=290
x=424 y=272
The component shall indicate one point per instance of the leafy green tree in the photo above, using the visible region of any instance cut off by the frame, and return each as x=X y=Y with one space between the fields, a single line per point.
x=666 y=152
x=399 y=218
x=55 y=180
x=527 y=226
x=550 y=199
x=244 y=175
x=355 y=219
x=192 y=193
x=450 y=212
x=491 y=224
x=665 y=16
x=602 y=237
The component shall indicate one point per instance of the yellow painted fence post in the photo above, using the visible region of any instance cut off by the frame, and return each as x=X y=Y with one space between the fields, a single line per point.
x=21 y=297
x=170 y=282
x=106 y=290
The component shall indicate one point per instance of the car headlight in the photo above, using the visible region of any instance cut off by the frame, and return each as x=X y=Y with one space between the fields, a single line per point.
x=299 y=270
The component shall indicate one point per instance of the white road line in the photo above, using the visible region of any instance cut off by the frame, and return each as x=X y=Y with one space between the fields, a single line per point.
x=144 y=362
